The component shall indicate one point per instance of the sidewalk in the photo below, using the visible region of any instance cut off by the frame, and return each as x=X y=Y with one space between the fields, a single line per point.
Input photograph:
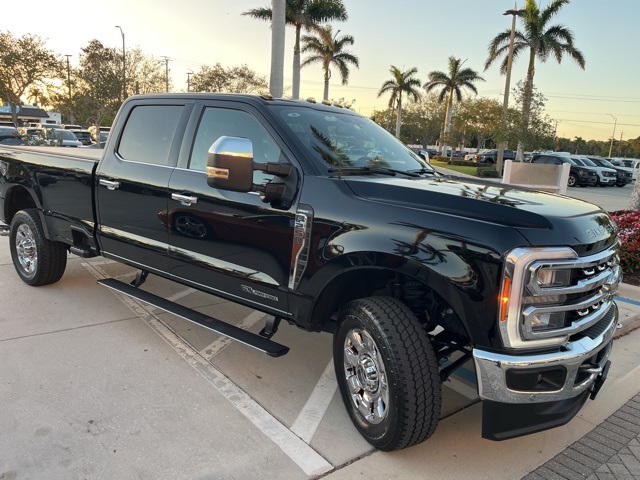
x=612 y=449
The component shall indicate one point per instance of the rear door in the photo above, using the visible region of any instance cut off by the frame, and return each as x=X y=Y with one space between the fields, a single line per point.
x=133 y=178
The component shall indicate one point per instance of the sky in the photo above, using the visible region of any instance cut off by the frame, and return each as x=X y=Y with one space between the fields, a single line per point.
x=587 y=103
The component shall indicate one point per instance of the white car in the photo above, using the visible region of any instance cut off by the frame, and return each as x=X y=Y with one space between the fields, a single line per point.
x=629 y=164
x=64 y=138
x=606 y=176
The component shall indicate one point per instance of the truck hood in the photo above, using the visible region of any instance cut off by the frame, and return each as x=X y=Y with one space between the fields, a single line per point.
x=484 y=201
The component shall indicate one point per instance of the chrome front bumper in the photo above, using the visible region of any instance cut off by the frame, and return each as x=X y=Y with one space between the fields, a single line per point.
x=586 y=352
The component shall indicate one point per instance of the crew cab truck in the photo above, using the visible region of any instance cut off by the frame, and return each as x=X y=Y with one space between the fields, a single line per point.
x=316 y=215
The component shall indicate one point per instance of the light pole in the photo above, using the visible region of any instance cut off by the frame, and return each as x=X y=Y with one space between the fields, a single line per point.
x=124 y=75
x=71 y=119
x=505 y=105
x=189 y=81
x=615 y=122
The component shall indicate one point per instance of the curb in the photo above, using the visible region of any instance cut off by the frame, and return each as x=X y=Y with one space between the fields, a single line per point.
x=628 y=325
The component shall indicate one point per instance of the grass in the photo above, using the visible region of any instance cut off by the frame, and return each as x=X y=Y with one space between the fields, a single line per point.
x=457 y=168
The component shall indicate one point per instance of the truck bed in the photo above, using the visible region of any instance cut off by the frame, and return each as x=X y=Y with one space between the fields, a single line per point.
x=59 y=179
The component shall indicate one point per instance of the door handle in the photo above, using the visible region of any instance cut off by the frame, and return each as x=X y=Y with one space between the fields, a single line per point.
x=111 y=185
x=185 y=200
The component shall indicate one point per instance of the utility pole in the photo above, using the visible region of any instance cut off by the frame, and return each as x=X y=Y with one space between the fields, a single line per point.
x=166 y=75
x=505 y=105
x=71 y=119
x=124 y=68
x=189 y=81
x=615 y=122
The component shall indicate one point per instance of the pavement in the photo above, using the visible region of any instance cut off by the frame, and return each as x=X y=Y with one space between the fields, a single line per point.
x=96 y=386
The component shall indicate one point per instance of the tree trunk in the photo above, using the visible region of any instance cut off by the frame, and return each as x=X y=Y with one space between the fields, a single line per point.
x=447 y=122
x=327 y=76
x=526 y=103
x=276 y=79
x=295 y=88
x=399 y=119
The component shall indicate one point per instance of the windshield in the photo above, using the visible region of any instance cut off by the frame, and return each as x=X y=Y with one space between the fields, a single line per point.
x=606 y=163
x=8 y=131
x=588 y=162
x=337 y=140
x=62 y=134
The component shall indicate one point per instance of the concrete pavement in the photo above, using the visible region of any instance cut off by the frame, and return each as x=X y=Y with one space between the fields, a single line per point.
x=97 y=386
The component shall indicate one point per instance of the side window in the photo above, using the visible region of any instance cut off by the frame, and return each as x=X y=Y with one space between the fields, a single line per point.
x=217 y=122
x=149 y=132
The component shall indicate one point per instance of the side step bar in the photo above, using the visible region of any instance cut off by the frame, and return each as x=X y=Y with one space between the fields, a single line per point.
x=269 y=347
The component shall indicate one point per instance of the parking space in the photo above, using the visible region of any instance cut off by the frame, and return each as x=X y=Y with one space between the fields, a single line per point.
x=97 y=385
x=96 y=382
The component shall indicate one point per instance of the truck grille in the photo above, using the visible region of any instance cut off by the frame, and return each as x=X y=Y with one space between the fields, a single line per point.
x=553 y=294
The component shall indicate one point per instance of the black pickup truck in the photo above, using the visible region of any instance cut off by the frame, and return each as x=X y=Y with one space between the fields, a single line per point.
x=314 y=214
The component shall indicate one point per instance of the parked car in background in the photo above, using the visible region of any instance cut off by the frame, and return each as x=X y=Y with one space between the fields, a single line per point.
x=606 y=176
x=578 y=175
x=63 y=138
x=629 y=164
x=84 y=136
x=10 y=136
x=491 y=157
x=622 y=176
x=67 y=126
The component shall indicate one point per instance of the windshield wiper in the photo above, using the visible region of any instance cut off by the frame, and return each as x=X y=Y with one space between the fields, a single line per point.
x=373 y=170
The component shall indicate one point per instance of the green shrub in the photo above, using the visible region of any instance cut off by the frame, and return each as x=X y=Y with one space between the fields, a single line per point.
x=460 y=161
x=488 y=172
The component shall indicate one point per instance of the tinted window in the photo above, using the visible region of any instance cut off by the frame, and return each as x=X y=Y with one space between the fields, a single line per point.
x=218 y=122
x=148 y=133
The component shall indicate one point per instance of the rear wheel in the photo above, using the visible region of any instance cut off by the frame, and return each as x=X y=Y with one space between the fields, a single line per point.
x=572 y=180
x=387 y=373
x=37 y=260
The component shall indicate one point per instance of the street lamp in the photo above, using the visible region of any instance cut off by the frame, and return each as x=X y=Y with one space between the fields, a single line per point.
x=505 y=105
x=124 y=75
x=615 y=122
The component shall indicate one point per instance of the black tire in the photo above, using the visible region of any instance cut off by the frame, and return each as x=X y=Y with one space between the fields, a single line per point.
x=573 y=180
x=391 y=365
x=620 y=184
x=37 y=260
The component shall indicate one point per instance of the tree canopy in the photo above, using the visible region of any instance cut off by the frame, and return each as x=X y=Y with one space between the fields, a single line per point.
x=25 y=63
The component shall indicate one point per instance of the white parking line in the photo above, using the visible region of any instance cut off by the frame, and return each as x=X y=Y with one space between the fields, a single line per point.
x=297 y=450
x=223 y=342
x=309 y=419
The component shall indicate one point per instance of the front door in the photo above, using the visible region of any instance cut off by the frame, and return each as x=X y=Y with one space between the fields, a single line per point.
x=231 y=243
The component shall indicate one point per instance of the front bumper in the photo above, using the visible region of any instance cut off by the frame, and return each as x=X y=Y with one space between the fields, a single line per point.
x=565 y=379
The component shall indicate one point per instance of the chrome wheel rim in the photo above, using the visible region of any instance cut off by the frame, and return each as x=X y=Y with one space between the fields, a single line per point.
x=366 y=376
x=26 y=249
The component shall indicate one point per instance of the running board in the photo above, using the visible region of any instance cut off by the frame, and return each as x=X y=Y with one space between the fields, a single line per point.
x=269 y=347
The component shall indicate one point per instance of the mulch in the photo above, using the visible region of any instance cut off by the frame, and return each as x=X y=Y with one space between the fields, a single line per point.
x=632 y=278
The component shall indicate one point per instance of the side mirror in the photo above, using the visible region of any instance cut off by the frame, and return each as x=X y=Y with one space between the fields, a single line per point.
x=230 y=164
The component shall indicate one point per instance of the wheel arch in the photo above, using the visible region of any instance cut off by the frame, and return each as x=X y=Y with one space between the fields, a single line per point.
x=433 y=297
x=19 y=198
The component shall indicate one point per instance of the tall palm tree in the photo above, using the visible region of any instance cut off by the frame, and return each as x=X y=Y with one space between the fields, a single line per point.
x=542 y=41
x=402 y=82
x=278 y=22
x=307 y=14
x=327 y=49
x=452 y=84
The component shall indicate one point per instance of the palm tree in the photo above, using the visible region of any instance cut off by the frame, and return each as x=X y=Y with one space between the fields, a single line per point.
x=452 y=84
x=541 y=40
x=308 y=14
x=276 y=77
x=402 y=82
x=327 y=49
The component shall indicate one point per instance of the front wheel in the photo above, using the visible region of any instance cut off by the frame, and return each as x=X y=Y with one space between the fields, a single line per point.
x=572 y=180
x=37 y=260
x=387 y=373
